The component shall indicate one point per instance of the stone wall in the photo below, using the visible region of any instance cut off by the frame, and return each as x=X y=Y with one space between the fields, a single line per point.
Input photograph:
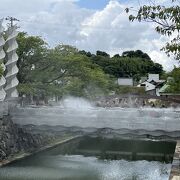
x=134 y=102
x=14 y=139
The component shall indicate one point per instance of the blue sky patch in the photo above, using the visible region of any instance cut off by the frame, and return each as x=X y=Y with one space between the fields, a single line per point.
x=93 y=4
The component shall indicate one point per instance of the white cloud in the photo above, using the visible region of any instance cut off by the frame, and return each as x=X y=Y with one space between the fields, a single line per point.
x=110 y=28
x=162 y=58
x=62 y=21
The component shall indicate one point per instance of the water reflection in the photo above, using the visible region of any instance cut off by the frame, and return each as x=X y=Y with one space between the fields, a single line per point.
x=78 y=167
x=63 y=163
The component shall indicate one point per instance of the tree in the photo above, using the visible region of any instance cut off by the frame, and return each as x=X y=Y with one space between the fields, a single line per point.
x=175 y=83
x=116 y=56
x=101 y=53
x=137 y=53
x=157 y=68
x=64 y=70
x=130 y=64
x=32 y=50
x=167 y=20
x=81 y=74
x=83 y=52
x=66 y=49
x=59 y=71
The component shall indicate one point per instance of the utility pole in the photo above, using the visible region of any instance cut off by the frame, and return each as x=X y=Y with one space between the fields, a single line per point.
x=11 y=19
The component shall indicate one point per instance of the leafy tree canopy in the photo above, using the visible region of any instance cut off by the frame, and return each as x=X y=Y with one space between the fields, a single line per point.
x=137 y=53
x=131 y=64
x=59 y=71
x=167 y=19
x=32 y=50
x=101 y=53
x=175 y=82
x=64 y=70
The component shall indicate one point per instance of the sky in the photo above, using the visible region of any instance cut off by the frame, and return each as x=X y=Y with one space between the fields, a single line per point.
x=89 y=25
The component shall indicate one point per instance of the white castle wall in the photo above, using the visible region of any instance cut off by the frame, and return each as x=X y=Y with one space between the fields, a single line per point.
x=2 y=56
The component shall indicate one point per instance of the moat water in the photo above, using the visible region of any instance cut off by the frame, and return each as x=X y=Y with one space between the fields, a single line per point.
x=97 y=160
x=93 y=159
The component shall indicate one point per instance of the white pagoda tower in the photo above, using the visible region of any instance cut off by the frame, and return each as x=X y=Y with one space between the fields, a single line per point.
x=11 y=61
x=2 y=56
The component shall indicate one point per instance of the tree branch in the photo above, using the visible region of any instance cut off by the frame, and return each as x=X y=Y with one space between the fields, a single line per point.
x=56 y=78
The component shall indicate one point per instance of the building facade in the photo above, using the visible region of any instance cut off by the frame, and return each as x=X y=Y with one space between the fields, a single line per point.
x=125 y=81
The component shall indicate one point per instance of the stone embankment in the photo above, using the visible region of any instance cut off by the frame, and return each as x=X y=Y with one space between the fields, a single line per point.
x=15 y=141
x=133 y=102
x=175 y=170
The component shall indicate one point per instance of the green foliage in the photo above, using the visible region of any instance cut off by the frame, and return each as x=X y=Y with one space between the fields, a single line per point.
x=167 y=20
x=83 y=52
x=59 y=71
x=130 y=64
x=1 y=70
x=101 y=53
x=31 y=51
x=130 y=90
x=137 y=53
x=175 y=83
x=66 y=50
x=27 y=89
x=63 y=70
